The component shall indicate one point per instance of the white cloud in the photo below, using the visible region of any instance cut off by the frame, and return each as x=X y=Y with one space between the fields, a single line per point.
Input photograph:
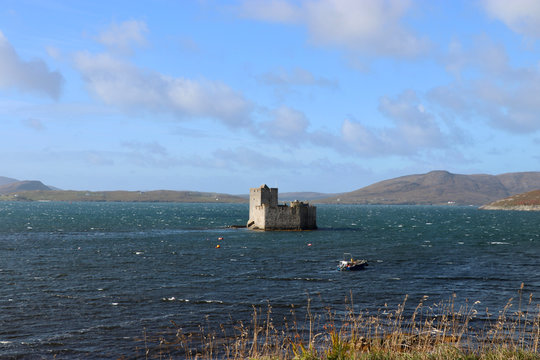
x=120 y=83
x=287 y=124
x=522 y=16
x=247 y=158
x=27 y=76
x=361 y=139
x=270 y=10
x=122 y=37
x=371 y=27
x=295 y=77
x=414 y=129
x=487 y=86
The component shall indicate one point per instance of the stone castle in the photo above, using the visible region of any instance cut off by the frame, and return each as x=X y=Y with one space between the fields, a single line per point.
x=266 y=214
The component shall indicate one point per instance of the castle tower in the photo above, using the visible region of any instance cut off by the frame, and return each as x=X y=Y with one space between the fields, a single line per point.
x=261 y=197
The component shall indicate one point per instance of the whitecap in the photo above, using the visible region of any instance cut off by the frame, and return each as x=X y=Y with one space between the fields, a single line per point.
x=499 y=243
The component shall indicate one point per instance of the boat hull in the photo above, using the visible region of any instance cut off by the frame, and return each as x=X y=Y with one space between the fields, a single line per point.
x=352 y=265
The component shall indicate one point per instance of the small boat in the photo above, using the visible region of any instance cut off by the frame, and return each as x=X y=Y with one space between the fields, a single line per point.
x=350 y=264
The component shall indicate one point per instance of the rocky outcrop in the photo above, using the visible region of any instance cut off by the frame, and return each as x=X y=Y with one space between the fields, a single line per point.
x=529 y=201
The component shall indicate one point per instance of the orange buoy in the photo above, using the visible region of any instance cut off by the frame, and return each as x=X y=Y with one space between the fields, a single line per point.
x=218 y=246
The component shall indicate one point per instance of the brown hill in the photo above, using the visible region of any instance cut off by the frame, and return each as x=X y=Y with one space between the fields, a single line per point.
x=117 y=196
x=525 y=201
x=441 y=187
x=26 y=185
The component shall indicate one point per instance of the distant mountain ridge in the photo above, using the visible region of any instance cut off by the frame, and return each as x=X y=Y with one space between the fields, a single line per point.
x=440 y=187
x=26 y=185
x=5 y=180
x=433 y=188
x=121 y=196
x=300 y=196
x=303 y=196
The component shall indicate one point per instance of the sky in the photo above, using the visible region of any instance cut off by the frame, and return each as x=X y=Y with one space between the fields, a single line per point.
x=220 y=96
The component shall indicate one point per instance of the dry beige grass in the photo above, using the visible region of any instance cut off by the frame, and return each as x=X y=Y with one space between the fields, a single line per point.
x=437 y=331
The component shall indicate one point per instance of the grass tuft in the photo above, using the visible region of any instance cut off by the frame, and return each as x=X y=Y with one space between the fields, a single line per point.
x=439 y=331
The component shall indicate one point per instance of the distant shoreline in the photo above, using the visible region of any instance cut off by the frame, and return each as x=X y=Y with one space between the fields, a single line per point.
x=122 y=196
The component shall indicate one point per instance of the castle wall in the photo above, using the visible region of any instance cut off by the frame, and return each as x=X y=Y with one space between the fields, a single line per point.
x=266 y=214
x=308 y=217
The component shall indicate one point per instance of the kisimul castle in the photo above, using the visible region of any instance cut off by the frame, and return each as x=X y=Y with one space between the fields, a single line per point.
x=266 y=214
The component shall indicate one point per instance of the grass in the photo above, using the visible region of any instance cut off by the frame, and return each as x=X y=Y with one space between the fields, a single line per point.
x=438 y=331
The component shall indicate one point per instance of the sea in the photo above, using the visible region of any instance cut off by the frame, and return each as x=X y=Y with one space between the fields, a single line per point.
x=105 y=280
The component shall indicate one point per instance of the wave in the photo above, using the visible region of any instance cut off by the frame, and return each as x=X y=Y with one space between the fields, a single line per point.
x=294 y=279
x=199 y=301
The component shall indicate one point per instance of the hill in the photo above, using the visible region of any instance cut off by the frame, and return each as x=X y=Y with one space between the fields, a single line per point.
x=301 y=196
x=440 y=187
x=118 y=196
x=525 y=201
x=5 y=180
x=17 y=186
x=433 y=188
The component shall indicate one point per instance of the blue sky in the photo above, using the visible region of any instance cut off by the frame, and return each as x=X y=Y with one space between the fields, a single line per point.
x=322 y=95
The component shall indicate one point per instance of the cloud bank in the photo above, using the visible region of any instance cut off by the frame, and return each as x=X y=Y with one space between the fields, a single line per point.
x=118 y=82
x=372 y=27
x=503 y=95
x=522 y=16
x=413 y=130
x=124 y=37
x=27 y=76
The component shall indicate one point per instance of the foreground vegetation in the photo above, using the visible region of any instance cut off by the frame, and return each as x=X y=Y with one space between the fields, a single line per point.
x=439 y=331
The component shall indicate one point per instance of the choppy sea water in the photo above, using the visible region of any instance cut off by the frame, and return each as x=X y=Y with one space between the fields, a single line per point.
x=85 y=280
